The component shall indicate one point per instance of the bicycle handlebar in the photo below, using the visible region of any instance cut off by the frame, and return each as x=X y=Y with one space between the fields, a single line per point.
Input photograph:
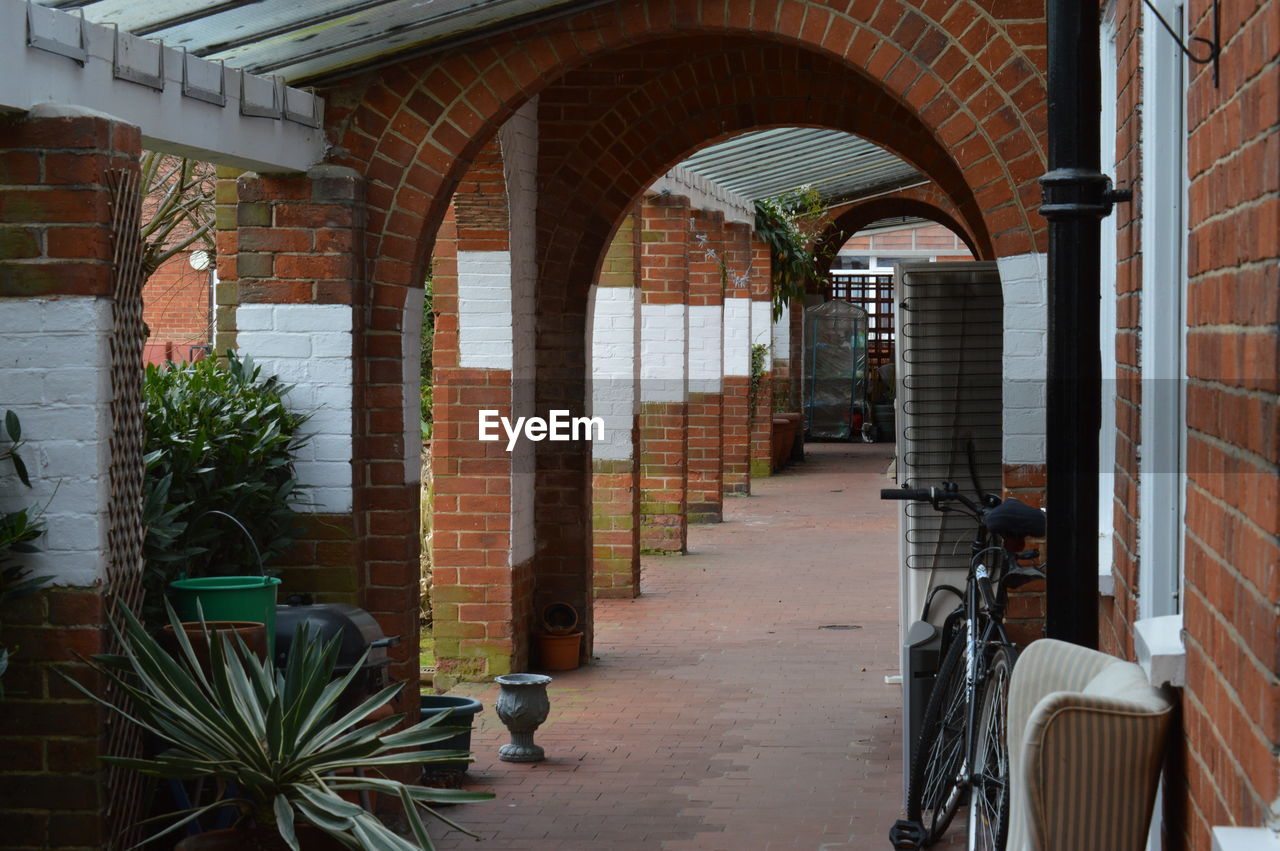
x=913 y=494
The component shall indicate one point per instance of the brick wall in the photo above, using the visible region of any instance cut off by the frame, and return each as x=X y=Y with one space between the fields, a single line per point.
x=615 y=482
x=736 y=411
x=1224 y=762
x=707 y=280
x=55 y=307
x=665 y=251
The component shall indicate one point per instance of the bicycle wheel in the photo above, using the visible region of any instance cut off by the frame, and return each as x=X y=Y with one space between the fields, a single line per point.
x=989 y=799
x=934 y=790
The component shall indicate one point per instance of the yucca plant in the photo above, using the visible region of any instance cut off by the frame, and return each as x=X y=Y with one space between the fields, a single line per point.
x=269 y=739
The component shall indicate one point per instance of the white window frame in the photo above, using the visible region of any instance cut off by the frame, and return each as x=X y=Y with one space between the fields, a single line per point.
x=1162 y=451
x=1107 y=312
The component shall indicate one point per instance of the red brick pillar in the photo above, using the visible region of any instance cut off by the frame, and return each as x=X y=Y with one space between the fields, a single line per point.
x=762 y=360
x=56 y=318
x=615 y=463
x=663 y=385
x=735 y=440
x=481 y=585
x=289 y=269
x=708 y=271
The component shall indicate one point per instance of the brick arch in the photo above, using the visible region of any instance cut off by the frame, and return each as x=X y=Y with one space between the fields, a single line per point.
x=926 y=202
x=596 y=167
x=975 y=79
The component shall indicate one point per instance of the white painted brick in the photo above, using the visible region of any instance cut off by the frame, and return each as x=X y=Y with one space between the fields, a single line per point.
x=262 y=317
x=762 y=329
x=22 y=387
x=485 y=309
x=25 y=314
x=331 y=447
x=411 y=374
x=1024 y=281
x=782 y=336
x=331 y=344
x=321 y=385
x=737 y=336
x=324 y=474
x=308 y=321
x=706 y=348
x=518 y=138
x=65 y=420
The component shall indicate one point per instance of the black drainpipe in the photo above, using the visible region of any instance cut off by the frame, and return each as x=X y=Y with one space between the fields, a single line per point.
x=1076 y=196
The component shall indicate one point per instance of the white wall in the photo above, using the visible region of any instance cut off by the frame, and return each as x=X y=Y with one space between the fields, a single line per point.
x=737 y=336
x=1024 y=280
x=663 y=352
x=484 y=310
x=55 y=375
x=614 y=365
x=310 y=347
x=706 y=348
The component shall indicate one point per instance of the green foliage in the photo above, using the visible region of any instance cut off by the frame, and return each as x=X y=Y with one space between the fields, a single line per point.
x=428 y=341
x=791 y=224
x=273 y=735
x=17 y=531
x=759 y=353
x=218 y=438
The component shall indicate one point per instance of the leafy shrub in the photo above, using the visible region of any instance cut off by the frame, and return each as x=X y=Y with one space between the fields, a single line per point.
x=218 y=438
x=17 y=530
x=791 y=223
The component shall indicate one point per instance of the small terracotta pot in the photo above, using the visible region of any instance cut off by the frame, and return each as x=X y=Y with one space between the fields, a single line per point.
x=558 y=652
x=259 y=839
x=254 y=636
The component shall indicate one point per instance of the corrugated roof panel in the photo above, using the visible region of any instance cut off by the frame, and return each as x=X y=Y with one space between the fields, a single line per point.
x=766 y=163
x=298 y=40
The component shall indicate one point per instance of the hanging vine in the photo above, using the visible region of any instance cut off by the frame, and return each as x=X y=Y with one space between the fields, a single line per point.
x=791 y=224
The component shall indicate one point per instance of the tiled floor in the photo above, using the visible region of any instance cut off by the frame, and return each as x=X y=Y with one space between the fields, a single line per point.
x=719 y=713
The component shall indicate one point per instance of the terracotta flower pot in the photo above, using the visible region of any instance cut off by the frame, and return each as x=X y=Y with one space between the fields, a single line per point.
x=558 y=652
x=254 y=636
x=259 y=839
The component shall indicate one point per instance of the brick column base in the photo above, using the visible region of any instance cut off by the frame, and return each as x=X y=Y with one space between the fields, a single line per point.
x=615 y=523
x=663 y=500
x=705 y=489
x=735 y=435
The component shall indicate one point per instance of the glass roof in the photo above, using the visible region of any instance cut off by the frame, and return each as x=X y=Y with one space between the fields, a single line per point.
x=302 y=39
x=765 y=163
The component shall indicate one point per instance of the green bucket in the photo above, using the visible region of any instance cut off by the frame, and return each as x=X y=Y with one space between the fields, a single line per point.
x=229 y=598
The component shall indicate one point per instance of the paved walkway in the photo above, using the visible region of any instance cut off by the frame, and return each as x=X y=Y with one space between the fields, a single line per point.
x=719 y=713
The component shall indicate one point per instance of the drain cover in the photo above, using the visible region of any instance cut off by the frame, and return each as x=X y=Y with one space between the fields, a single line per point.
x=840 y=626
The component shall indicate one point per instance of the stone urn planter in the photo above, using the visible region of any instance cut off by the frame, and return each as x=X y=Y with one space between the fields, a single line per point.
x=522 y=706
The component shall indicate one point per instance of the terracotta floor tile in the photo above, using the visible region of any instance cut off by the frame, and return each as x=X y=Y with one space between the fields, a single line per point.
x=717 y=714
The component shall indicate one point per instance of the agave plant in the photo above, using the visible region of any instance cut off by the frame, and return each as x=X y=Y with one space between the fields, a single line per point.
x=270 y=739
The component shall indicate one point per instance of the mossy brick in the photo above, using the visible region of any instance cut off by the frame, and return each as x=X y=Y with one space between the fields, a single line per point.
x=32 y=280
x=761 y=468
x=255 y=264
x=227 y=293
x=253 y=214
x=19 y=242
x=225 y=217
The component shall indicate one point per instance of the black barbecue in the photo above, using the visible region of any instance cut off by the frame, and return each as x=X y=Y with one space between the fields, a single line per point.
x=359 y=632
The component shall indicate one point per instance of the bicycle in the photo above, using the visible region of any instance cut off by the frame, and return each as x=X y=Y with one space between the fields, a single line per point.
x=962 y=749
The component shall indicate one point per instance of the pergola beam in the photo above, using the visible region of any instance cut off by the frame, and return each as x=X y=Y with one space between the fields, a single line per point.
x=183 y=105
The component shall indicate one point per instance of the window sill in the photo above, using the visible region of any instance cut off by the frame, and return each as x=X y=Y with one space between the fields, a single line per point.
x=1161 y=653
x=1245 y=839
x=1106 y=583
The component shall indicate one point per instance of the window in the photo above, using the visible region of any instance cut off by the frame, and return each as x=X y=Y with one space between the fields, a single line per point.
x=1107 y=310
x=1162 y=482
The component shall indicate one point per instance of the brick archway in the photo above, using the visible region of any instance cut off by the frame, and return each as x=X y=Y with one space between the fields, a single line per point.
x=925 y=202
x=625 y=90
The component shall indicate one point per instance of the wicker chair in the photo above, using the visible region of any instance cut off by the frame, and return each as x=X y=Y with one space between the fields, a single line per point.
x=1086 y=742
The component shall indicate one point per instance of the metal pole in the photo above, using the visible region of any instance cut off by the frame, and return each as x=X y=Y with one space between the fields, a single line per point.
x=1076 y=196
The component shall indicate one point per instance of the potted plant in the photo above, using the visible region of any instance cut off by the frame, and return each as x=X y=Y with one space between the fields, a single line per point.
x=270 y=743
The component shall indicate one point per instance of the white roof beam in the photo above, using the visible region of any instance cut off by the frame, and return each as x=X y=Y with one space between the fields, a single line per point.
x=183 y=105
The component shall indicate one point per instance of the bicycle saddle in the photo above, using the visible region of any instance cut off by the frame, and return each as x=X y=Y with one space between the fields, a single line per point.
x=1014 y=518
